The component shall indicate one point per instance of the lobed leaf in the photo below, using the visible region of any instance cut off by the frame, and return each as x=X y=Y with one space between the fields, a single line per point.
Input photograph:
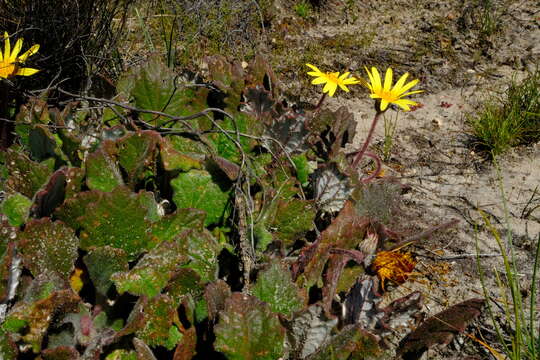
x=137 y=153
x=159 y=323
x=440 y=328
x=25 y=176
x=275 y=287
x=247 y=329
x=119 y=219
x=102 y=262
x=47 y=246
x=102 y=172
x=198 y=189
x=152 y=272
x=16 y=207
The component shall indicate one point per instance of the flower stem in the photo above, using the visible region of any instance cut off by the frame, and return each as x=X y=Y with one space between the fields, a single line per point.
x=362 y=151
x=321 y=100
x=378 y=167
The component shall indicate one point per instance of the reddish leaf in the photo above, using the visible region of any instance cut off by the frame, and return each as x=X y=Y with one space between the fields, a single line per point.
x=346 y=232
x=60 y=353
x=51 y=195
x=215 y=295
x=439 y=329
x=186 y=349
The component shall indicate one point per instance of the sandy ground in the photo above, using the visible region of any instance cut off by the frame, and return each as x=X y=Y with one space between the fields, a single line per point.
x=432 y=153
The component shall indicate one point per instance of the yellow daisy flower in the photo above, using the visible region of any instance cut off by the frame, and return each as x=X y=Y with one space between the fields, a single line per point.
x=388 y=94
x=10 y=61
x=332 y=80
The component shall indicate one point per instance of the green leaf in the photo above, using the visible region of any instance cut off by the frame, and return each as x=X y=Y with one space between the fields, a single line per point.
x=173 y=159
x=137 y=154
x=198 y=189
x=302 y=168
x=101 y=263
x=120 y=219
x=276 y=287
x=152 y=272
x=7 y=250
x=171 y=225
x=16 y=207
x=25 y=176
x=185 y=282
x=48 y=246
x=153 y=87
x=121 y=354
x=293 y=219
x=102 y=173
x=225 y=145
x=247 y=329
x=202 y=250
x=158 y=326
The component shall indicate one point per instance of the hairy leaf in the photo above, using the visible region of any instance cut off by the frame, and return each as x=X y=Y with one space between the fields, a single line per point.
x=275 y=287
x=16 y=207
x=174 y=159
x=48 y=246
x=293 y=219
x=202 y=251
x=247 y=329
x=102 y=262
x=102 y=172
x=137 y=154
x=158 y=326
x=38 y=315
x=198 y=189
x=120 y=219
x=152 y=272
x=25 y=176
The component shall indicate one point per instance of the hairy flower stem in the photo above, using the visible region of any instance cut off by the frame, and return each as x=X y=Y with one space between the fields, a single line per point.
x=362 y=151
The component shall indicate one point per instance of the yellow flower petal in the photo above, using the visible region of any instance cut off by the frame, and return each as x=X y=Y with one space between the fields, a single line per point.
x=376 y=83
x=343 y=87
x=400 y=82
x=10 y=60
x=314 y=68
x=26 y=71
x=384 y=104
x=409 y=85
x=388 y=94
x=412 y=92
x=330 y=88
x=404 y=104
x=34 y=49
x=16 y=50
x=388 y=79
x=332 y=80
x=7 y=46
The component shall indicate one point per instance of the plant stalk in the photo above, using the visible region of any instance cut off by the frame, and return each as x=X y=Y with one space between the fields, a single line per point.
x=362 y=151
